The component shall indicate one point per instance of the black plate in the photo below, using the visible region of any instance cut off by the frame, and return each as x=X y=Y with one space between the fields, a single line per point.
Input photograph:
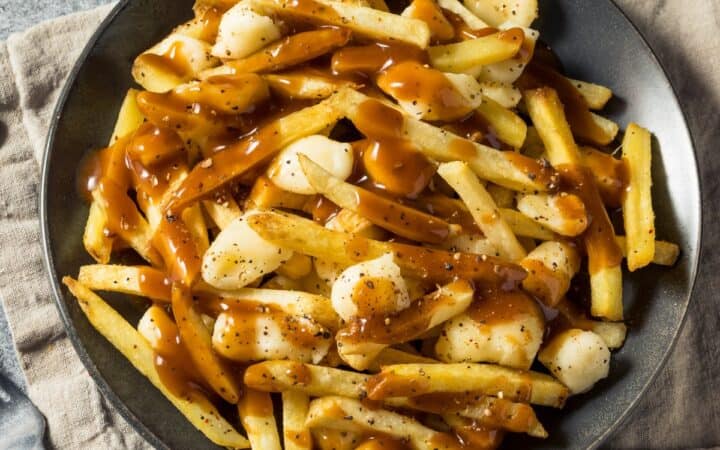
x=596 y=43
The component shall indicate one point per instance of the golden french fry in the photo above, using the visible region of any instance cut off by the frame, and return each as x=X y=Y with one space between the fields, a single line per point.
x=468 y=431
x=223 y=210
x=96 y=242
x=508 y=126
x=389 y=356
x=368 y=22
x=195 y=222
x=608 y=172
x=256 y=414
x=199 y=344
x=604 y=256
x=143 y=281
x=401 y=220
x=483 y=209
x=613 y=333
x=595 y=95
x=361 y=340
x=666 y=253
x=197 y=409
x=472 y=21
x=303 y=85
x=464 y=55
x=309 y=238
x=288 y=52
x=295 y=303
x=351 y=415
x=524 y=226
x=315 y=381
x=608 y=129
x=225 y=166
x=329 y=439
x=295 y=408
x=491 y=412
x=411 y=380
x=498 y=12
x=562 y=213
x=507 y=169
x=129 y=118
x=638 y=214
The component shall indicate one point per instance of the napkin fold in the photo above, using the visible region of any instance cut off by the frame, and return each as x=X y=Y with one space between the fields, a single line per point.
x=681 y=409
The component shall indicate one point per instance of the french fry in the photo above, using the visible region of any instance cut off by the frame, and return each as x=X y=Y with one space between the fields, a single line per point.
x=95 y=241
x=491 y=412
x=256 y=414
x=604 y=256
x=363 y=21
x=295 y=408
x=562 y=213
x=498 y=12
x=266 y=195
x=503 y=197
x=288 y=52
x=195 y=222
x=464 y=55
x=411 y=380
x=142 y=281
x=401 y=220
x=351 y=415
x=523 y=226
x=294 y=303
x=595 y=95
x=329 y=439
x=361 y=340
x=223 y=211
x=470 y=19
x=638 y=214
x=225 y=166
x=666 y=253
x=508 y=126
x=305 y=236
x=199 y=411
x=199 y=344
x=389 y=356
x=609 y=174
x=129 y=118
x=304 y=85
x=315 y=381
x=297 y=267
x=505 y=94
x=506 y=169
x=483 y=209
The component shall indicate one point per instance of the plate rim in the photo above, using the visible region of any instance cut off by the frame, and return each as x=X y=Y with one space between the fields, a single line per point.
x=119 y=404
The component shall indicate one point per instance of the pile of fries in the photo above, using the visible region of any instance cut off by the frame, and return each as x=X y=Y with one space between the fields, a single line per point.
x=387 y=216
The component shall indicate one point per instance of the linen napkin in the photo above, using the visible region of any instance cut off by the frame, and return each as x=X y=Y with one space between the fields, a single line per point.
x=681 y=409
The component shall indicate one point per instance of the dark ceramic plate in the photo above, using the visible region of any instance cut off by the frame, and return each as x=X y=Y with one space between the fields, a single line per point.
x=596 y=43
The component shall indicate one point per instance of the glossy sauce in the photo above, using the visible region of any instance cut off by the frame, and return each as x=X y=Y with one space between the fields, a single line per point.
x=610 y=175
x=500 y=306
x=545 y=284
x=155 y=284
x=173 y=61
x=396 y=166
x=374 y=58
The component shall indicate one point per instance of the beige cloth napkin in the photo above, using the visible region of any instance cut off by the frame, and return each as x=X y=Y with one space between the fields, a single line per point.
x=681 y=410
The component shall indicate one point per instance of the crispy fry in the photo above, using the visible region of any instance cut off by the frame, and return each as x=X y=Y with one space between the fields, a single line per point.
x=294 y=303
x=288 y=52
x=306 y=85
x=364 y=338
x=507 y=169
x=364 y=21
x=198 y=410
x=666 y=253
x=95 y=241
x=143 y=281
x=295 y=408
x=389 y=356
x=236 y=160
x=595 y=95
x=222 y=214
x=401 y=220
x=613 y=333
x=256 y=414
x=461 y=56
x=304 y=236
x=524 y=226
x=604 y=256
x=199 y=343
x=508 y=126
x=563 y=213
x=638 y=214
x=315 y=381
x=411 y=380
x=483 y=209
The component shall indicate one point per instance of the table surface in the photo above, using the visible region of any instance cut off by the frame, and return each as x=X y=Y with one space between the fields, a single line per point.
x=18 y=15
